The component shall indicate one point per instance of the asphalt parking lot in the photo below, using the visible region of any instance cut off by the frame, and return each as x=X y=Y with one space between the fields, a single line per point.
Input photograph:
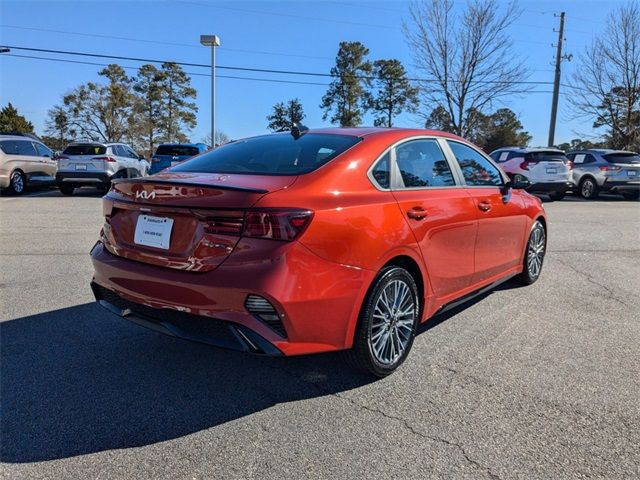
x=526 y=382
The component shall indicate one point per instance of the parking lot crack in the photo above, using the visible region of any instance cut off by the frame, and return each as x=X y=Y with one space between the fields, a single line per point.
x=593 y=281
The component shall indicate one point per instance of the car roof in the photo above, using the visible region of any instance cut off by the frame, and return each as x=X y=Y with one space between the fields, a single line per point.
x=528 y=149
x=380 y=131
x=602 y=151
x=19 y=137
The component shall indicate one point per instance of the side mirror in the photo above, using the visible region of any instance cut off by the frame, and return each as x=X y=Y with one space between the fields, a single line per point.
x=520 y=182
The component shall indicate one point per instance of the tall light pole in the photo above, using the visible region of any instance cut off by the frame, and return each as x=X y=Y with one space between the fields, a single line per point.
x=212 y=41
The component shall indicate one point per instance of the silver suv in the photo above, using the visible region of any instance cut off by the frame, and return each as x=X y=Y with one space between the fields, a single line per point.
x=600 y=170
x=97 y=164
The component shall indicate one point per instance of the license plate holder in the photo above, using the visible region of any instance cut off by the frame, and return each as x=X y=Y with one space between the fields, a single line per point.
x=552 y=170
x=632 y=173
x=152 y=231
x=81 y=166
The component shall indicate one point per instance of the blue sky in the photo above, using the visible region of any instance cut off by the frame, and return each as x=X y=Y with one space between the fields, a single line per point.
x=302 y=35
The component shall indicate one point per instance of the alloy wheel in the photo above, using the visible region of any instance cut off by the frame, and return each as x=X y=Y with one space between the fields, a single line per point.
x=535 y=252
x=17 y=182
x=587 y=188
x=393 y=322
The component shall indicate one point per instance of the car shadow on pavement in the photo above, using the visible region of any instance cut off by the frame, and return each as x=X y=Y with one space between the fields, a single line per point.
x=79 y=380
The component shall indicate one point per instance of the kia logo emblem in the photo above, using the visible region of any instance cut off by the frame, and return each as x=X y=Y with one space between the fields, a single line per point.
x=146 y=195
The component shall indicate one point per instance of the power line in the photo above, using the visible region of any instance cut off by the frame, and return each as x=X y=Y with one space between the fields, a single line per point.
x=233 y=77
x=291 y=15
x=159 y=42
x=245 y=69
x=128 y=67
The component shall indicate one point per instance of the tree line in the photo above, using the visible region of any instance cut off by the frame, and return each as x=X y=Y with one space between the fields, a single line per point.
x=467 y=69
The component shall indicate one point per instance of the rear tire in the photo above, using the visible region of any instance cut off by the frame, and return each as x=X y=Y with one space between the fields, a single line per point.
x=387 y=324
x=556 y=195
x=534 y=254
x=589 y=188
x=67 y=189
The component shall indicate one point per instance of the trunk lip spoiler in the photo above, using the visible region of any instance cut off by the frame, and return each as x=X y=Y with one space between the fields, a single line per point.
x=189 y=184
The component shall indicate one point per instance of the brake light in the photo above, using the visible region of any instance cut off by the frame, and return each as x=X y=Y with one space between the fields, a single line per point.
x=283 y=225
x=607 y=168
x=106 y=159
x=525 y=165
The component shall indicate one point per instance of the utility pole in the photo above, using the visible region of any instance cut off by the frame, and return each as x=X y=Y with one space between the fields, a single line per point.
x=556 y=84
x=212 y=41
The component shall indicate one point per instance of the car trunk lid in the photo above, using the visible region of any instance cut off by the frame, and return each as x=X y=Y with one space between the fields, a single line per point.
x=185 y=221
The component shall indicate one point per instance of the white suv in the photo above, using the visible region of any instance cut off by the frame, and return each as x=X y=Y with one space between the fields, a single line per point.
x=96 y=164
x=548 y=169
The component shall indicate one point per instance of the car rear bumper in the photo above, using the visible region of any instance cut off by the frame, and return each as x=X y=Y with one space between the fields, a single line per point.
x=621 y=186
x=317 y=301
x=549 y=187
x=83 y=178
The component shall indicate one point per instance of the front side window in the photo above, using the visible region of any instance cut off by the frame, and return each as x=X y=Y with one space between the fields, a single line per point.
x=42 y=150
x=422 y=164
x=476 y=169
x=277 y=154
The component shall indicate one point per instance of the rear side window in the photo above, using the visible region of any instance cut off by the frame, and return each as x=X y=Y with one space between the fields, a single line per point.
x=278 y=154
x=177 y=150
x=476 y=169
x=550 y=156
x=422 y=164
x=627 y=157
x=24 y=147
x=381 y=171
x=86 y=149
x=9 y=147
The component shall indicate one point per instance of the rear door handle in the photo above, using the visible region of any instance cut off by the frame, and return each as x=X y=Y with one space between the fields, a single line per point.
x=416 y=213
x=485 y=206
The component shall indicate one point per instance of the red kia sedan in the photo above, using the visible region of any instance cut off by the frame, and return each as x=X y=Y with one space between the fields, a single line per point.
x=315 y=241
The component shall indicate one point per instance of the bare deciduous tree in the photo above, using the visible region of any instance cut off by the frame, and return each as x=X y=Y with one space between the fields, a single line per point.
x=606 y=86
x=467 y=58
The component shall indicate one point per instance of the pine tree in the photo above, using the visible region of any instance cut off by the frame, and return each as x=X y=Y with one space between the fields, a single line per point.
x=285 y=115
x=347 y=96
x=179 y=112
x=393 y=93
x=12 y=121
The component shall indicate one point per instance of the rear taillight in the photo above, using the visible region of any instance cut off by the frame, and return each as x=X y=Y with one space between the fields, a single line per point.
x=227 y=223
x=283 y=225
x=609 y=168
x=60 y=157
x=525 y=165
x=569 y=164
x=106 y=159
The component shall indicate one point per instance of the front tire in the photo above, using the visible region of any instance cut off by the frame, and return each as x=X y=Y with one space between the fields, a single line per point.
x=534 y=255
x=17 y=183
x=388 y=322
x=589 y=189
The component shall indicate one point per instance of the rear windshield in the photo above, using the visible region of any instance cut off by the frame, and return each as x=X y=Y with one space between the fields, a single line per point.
x=279 y=154
x=177 y=150
x=627 y=157
x=85 y=150
x=545 y=156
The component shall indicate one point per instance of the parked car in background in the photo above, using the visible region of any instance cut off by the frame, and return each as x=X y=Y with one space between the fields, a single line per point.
x=169 y=154
x=548 y=169
x=331 y=239
x=601 y=170
x=96 y=164
x=24 y=161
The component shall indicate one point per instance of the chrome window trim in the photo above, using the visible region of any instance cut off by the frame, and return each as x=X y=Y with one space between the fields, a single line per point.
x=395 y=178
x=503 y=175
